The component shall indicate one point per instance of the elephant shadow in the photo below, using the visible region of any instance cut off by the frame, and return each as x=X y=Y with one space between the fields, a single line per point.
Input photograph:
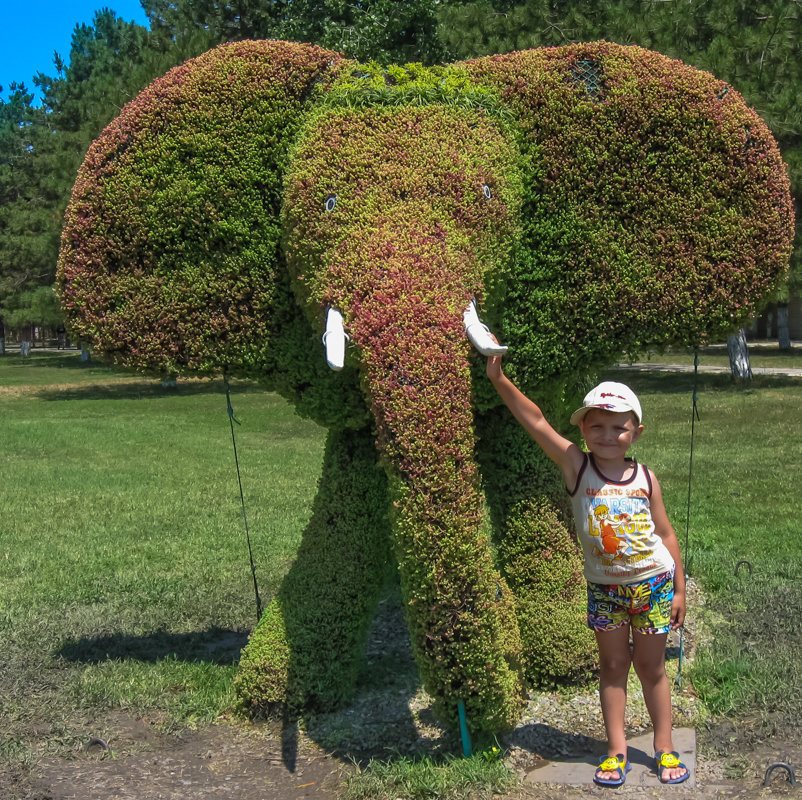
x=376 y=723
x=553 y=744
x=216 y=646
x=388 y=715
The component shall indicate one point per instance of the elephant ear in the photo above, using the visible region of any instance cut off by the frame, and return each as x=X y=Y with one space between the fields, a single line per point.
x=657 y=207
x=170 y=256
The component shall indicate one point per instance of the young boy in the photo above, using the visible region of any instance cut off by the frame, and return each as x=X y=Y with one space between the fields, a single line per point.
x=632 y=560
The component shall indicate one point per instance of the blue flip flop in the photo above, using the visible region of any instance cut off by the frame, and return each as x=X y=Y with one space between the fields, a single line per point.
x=617 y=764
x=671 y=760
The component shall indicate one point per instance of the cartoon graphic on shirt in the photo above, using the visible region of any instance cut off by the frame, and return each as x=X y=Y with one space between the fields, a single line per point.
x=619 y=530
x=604 y=528
x=615 y=527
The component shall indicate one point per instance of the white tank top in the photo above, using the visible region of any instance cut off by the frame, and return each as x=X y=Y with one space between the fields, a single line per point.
x=615 y=528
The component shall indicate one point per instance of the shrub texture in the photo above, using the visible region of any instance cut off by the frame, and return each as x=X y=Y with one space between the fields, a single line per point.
x=595 y=199
x=537 y=551
x=170 y=253
x=399 y=237
x=656 y=211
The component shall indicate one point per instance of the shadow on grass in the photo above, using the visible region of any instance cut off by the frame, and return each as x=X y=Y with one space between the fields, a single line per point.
x=146 y=389
x=214 y=646
x=62 y=359
x=104 y=381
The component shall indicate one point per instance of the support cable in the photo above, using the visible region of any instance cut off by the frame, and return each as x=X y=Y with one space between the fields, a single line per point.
x=232 y=419
x=687 y=560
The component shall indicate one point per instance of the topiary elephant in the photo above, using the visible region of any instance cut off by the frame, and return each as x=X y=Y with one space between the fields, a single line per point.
x=589 y=200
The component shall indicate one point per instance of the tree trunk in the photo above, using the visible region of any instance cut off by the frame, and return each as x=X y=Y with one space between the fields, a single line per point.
x=739 y=356
x=783 y=333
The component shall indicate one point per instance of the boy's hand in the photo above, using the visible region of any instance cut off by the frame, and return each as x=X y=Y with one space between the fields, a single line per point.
x=678 y=610
x=494 y=368
x=494 y=363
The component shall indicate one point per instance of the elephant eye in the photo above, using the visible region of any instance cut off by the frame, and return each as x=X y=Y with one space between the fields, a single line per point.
x=486 y=191
x=331 y=202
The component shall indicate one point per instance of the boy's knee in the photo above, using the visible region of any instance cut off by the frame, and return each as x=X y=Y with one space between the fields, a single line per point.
x=615 y=665
x=649 y=671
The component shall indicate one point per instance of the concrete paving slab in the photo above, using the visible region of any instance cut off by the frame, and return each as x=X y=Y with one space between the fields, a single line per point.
x=580 y=771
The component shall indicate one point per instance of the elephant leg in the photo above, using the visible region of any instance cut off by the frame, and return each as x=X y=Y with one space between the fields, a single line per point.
x=306 y=649
x=537 y=551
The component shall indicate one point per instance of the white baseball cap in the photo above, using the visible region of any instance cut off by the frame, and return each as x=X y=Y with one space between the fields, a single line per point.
x=609 y=396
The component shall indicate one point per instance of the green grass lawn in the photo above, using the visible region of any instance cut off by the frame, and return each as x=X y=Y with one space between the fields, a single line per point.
x=124 y=574
x=124 y=563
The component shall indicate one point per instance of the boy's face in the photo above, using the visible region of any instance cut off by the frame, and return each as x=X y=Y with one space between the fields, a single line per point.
x=609 y=434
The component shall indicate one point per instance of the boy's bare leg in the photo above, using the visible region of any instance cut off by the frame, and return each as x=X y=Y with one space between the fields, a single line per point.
x=614 y=662
x=649 y=658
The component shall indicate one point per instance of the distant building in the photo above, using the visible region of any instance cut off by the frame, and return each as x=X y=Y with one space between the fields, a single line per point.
x=766 y=325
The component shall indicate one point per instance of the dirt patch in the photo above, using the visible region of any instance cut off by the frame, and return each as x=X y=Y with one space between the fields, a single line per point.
x=138 y=762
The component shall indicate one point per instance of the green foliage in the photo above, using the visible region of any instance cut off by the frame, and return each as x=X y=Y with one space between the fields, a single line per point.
x=371 y=85
x=752 y=47
x=37 y=307
x=407 y=242
x=262 y=683
x=660 y=212
x=364 y=29
x=29 y=227
x=543 y=568
x=110 y=61
x=41 y=146
x=170 y=259
x=539 y=557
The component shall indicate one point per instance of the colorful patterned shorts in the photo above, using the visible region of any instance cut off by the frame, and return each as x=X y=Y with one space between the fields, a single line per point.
x=646 y=605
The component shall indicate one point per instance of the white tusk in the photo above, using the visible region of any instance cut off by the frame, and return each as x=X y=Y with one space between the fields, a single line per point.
x=479 y=334
x=334 y=339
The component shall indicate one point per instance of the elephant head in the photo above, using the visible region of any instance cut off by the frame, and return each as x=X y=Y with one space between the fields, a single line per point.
x=591 y=200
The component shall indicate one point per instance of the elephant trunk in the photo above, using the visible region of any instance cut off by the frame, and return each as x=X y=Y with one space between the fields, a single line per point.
x=415 y=362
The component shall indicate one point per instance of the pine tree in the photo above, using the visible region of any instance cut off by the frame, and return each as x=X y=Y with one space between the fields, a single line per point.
x=380 y=30
x=29 y=229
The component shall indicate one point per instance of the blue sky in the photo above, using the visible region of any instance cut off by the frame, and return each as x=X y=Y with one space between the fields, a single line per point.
x=30 y=30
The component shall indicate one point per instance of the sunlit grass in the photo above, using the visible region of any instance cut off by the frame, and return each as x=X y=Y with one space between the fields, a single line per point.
x=762 y=355
x=419 y=779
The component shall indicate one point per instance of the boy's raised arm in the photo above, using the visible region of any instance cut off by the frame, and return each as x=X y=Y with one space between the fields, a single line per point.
x=562 y=451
